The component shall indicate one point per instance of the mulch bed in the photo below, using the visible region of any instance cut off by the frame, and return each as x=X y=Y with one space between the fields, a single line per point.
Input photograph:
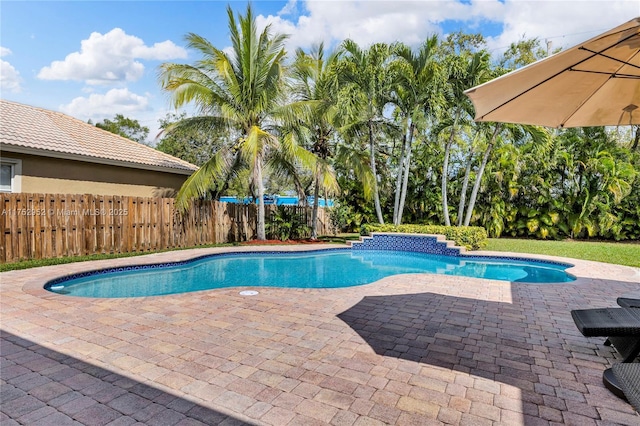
x=278 y=242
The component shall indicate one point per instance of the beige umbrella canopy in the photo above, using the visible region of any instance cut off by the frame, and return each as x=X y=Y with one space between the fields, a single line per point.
x=596 y=83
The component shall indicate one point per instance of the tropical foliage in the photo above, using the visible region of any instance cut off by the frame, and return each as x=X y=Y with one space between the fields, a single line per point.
x=240 y=93
x=387 y=131
x=287 y=223
x=125 y=127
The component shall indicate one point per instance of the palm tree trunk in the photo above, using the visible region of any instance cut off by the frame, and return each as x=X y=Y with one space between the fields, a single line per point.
x=314 y=214
x=405 y=180
x=401 y=161
x=476 y=185
x=445 y=170
x=445 y=166
x=376 y=196
x=467 y=175
x=465 y=185
x=258 y=179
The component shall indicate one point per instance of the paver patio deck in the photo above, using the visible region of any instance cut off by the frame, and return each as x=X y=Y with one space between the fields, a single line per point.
x=409 y=350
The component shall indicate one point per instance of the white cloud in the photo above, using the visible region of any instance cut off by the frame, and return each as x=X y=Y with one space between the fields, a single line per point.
x=366 y=22
x=9 y=77
x=564 y=23
x=289 y=8
x=99 y=106
x=109 y=58
x=370 y=21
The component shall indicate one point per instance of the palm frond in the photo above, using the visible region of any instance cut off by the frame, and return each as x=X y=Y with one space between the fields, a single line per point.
x=202 y=180
x=357 y=161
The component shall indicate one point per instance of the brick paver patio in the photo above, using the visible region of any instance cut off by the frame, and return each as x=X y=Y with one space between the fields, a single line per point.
x=406 y=350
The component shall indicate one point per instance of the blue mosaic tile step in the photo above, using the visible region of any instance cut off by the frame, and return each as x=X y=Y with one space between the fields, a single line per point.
x=406 y=242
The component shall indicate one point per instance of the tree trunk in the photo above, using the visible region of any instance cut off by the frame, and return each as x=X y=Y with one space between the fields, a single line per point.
x=401 y=164
x=396 y=202
x=314 y=214
x=465 y=185
x=376 y=196
x=636 y=138
x=476 y=185
x=445 y=204
x=445 y=168
x=445 y=171
x=258 y=178
x=407 y=167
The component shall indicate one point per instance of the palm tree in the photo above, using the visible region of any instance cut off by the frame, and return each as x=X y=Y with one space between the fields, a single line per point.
x=315 y=84
x=413 y=97
x=367 y=80
x=464 y=72
x=539 y=136
x=239 y=91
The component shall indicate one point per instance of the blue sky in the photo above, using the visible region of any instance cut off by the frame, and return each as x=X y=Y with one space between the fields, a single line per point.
x=94 y=59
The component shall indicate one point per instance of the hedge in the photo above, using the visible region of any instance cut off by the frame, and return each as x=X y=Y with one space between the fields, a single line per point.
x=470 y=237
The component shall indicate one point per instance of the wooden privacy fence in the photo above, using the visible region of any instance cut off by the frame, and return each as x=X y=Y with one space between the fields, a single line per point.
x=39 y=226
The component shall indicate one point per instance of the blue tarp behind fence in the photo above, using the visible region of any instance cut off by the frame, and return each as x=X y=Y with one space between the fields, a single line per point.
x=277 y=200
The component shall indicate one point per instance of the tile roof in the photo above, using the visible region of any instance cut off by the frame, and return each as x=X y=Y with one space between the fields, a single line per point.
x=53 y=133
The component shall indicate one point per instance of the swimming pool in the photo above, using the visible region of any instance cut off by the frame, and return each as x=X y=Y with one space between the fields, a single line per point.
x=310 y=269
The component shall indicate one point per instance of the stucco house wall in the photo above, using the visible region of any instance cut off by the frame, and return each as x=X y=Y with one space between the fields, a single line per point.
x=60 y=176
x=43 y=151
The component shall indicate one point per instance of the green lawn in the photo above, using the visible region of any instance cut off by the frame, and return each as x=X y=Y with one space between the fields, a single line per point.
x=618 y=253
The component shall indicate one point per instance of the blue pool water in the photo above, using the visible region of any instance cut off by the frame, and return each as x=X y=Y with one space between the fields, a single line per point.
x=317 y=269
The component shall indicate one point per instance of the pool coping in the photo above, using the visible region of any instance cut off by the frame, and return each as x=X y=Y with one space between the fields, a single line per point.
x=165 y=265
x=577 y=268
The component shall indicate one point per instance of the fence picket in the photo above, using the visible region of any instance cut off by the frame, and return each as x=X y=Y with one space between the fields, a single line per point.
x=36 y=226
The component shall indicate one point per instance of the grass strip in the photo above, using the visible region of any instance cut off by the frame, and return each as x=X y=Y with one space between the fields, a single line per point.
x=618 y=253
x=35 y=263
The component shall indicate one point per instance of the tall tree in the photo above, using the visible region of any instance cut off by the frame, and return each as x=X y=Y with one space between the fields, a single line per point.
x=519 y=54
x=465 y=71
x=413 y=97
x=365 y=73
x=125 y=127
x=192 y=144
x=315 y=83
x=240 y=91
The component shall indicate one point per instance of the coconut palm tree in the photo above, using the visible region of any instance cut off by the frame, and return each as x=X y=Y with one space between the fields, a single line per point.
x=238 y=91
x=315 y=84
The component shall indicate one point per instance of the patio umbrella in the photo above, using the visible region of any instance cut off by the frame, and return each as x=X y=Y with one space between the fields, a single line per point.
x=596 y=83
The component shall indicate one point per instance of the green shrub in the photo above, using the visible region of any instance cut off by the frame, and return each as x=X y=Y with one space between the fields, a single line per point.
x=286 y=223
x=470 y=237
x=344 y=219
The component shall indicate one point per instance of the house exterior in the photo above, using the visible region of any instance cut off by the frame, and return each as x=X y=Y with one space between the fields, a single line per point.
x=44 y=151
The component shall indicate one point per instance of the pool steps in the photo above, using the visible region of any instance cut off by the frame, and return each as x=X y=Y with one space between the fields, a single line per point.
x=422 y=243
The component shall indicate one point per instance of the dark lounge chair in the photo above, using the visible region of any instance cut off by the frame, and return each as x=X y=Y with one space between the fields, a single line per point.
x=624 y=381
x=620 y=325
x=628 y=302
x=625 y=302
